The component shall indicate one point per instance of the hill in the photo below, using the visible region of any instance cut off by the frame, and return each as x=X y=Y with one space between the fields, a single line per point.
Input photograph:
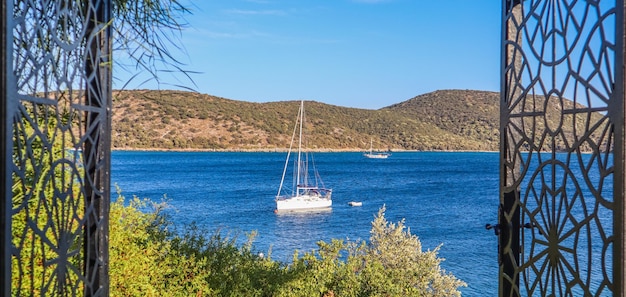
x=441 y=120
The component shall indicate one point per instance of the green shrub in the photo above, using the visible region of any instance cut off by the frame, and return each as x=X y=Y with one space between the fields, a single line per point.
x=147 y=260
x=391 y=264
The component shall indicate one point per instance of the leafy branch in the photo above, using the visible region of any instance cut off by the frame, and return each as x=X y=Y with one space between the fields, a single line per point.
x=149 y=32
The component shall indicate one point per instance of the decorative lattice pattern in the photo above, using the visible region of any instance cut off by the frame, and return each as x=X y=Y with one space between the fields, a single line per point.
x=60 y=148
x=558 y=154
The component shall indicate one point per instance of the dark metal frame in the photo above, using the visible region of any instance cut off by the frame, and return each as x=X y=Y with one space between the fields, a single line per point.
x=554 y=239
x=5 y=148
x=97 y=149
x=508 y=214
x=617 y=112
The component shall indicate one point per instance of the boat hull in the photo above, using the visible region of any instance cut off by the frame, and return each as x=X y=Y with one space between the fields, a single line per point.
x=376 y=156
x=303 y=202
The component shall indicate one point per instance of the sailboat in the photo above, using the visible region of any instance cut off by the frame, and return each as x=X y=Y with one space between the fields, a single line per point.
x=375 y=155
x=307 y=190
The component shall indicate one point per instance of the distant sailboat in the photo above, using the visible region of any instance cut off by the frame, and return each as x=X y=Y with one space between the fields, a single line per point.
x=307 y=191
x=375 y=155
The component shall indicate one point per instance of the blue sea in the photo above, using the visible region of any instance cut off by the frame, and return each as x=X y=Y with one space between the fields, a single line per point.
x=445 y=198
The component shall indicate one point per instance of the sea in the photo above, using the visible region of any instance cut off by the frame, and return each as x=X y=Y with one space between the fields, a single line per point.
x=444 y=198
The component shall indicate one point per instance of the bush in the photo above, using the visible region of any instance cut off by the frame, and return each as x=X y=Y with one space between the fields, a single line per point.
x=391 y=264
x=146 y=260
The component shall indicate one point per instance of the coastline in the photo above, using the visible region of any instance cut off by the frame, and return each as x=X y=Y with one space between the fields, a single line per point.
x=283 y=150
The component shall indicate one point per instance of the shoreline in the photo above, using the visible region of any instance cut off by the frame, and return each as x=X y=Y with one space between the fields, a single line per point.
x=284 y=150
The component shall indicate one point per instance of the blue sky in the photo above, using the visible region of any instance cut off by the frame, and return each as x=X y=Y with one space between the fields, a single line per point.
x=353 y=53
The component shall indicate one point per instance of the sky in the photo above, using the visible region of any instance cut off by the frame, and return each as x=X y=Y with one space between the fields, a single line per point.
x=352 y=53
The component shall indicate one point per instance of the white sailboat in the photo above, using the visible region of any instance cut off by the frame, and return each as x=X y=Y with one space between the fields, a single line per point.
x=307 y=190
x=375 y=155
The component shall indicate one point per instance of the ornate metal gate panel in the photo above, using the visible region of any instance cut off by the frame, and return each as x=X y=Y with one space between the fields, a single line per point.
x=562 y=119
x=56 y=111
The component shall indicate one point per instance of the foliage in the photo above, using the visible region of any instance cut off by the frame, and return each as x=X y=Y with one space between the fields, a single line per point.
x=47 y=204
x=147 y=260
x=146 y=31
x=391 y=264
x=136 y=252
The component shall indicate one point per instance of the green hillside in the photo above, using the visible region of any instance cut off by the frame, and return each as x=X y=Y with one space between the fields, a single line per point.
x=441 y=120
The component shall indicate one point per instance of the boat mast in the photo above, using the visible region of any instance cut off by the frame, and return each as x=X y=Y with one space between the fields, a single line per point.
x=299 y=146
x=293 y=136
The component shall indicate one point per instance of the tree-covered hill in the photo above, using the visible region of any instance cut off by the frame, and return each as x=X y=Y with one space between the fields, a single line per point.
x=441 y=120
x=470 y=115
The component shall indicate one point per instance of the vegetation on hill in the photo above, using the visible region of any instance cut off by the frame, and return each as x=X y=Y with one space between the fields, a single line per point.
x=476 y=115
x=144 y=119
x=471 y=115
x=441 y=120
